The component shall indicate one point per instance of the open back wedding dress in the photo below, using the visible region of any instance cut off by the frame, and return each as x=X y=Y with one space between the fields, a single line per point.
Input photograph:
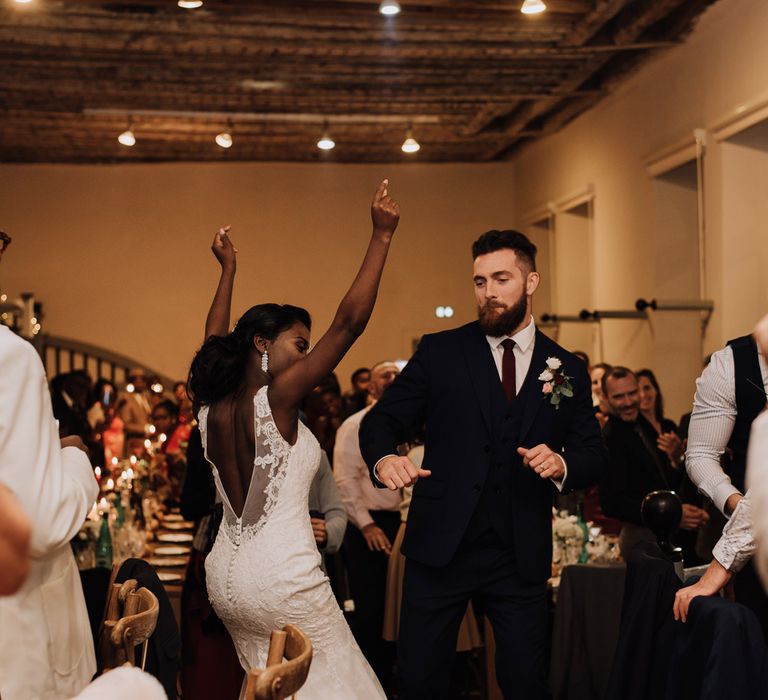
x=264 y=569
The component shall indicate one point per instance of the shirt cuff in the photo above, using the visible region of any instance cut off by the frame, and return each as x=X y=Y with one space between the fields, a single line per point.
x=376 y=469
x=737 y=543
x=723 y=491
x=560 y=483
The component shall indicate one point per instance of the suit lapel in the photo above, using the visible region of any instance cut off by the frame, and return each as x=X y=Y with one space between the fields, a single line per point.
x=530 y=392
x=477 y=353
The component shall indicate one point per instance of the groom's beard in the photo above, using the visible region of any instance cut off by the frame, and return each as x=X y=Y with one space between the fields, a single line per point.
x=497 y=324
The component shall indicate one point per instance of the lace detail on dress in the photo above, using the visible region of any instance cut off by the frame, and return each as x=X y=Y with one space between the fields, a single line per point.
x=269 y=466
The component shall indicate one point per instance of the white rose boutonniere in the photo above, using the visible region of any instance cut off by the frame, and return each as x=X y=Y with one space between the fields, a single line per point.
x=557 y=384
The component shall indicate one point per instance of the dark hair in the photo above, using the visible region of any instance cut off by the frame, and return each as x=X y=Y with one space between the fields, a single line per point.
x=582 y=356
x=492 y=241
x=167 y=405
x=658 y=406
x=218 y=367
x=358 y=372
x=617 y=372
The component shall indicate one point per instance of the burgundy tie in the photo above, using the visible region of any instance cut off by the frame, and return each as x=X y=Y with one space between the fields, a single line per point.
x=508 y=378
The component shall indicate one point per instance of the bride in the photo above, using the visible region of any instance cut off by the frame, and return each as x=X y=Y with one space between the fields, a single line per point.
x=264 y=569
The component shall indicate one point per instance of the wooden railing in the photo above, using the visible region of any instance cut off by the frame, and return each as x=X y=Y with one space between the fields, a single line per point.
x=65 y=355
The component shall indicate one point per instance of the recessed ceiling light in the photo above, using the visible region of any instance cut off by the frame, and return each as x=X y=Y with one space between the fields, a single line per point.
x=533 y=7
x=190 y=4
x=389 y=8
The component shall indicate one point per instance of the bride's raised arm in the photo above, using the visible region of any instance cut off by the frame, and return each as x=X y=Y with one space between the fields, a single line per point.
x=291 y=386
x=217 y=321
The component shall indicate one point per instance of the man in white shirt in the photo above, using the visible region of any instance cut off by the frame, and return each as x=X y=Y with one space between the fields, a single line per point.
x=748 y=524
x=46 y=648
x=374 y=516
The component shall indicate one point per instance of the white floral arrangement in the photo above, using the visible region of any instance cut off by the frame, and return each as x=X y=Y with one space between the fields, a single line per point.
x=557 y=384
x=567 y=539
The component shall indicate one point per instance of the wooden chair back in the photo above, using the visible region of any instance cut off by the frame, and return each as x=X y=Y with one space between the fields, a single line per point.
x=130 y=620
x=281 y=678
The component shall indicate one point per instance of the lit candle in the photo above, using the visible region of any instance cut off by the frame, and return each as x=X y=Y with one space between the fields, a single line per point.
x=97 y=473
x=133 y=460
x=162 y=438
x=103 y=505
x=147 y=444
x=114 y=461
x=110 y=484
x=151 y=429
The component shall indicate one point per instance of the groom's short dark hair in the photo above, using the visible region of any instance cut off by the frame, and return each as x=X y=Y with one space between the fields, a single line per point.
x=492 y=241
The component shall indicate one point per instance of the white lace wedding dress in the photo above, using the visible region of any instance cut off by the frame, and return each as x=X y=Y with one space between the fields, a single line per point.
x=264 y=569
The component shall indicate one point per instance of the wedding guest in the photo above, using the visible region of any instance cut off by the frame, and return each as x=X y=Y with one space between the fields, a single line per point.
x=730 y=394
x=745 y=528
x=46 y=647
x=15 y=532
x=324 y=414
x=583 y=356
x=374 y=517
x=134 y=407
x=602 y=409
x=172 y=456
x=668 y=441
x=70 y=395
x=326 y=509
x=186 y=413
x=639 y=462
x=357 y=399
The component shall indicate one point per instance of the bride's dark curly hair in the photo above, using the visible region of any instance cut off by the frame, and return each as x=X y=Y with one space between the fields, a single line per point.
x=219 y=365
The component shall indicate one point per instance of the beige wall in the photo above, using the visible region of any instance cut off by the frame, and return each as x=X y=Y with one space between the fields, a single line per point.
x=644 y=244
x=120 y=254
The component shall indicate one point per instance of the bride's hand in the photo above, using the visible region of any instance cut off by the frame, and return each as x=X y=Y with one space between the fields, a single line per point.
x=385 y=211
x=223 y=249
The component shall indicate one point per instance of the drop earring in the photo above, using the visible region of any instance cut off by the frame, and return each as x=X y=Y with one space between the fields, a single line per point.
x=264 y=362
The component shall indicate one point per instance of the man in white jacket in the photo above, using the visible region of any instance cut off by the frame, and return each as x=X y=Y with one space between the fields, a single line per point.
x=46 y=649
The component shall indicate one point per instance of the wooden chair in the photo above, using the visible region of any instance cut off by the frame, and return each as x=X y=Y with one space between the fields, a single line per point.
x=129 y=620
x=281 y=678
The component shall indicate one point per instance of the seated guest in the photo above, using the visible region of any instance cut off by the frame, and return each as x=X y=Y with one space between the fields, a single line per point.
x=186 y=413
x=134 y=407
x=357 y=399
x=602 y=410
x=172 y=456
x=668 y=441
x=638 y=462
x=46 y=647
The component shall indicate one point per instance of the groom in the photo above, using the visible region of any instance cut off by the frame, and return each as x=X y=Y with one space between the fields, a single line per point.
x=508 y=416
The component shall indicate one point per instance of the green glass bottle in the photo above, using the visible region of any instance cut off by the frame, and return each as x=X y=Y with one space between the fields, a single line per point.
x=104 y=545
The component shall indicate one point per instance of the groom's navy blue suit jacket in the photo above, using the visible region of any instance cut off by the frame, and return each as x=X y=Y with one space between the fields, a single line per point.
x=452 y=387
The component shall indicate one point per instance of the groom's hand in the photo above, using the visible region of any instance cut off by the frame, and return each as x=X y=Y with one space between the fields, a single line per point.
x=397 y=472
x=546 y=463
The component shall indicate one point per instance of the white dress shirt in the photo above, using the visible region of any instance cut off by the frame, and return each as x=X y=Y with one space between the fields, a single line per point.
x=712 y=421
x=46 y=647
x=358 y=493
x=749 y=521
x=524 y=342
